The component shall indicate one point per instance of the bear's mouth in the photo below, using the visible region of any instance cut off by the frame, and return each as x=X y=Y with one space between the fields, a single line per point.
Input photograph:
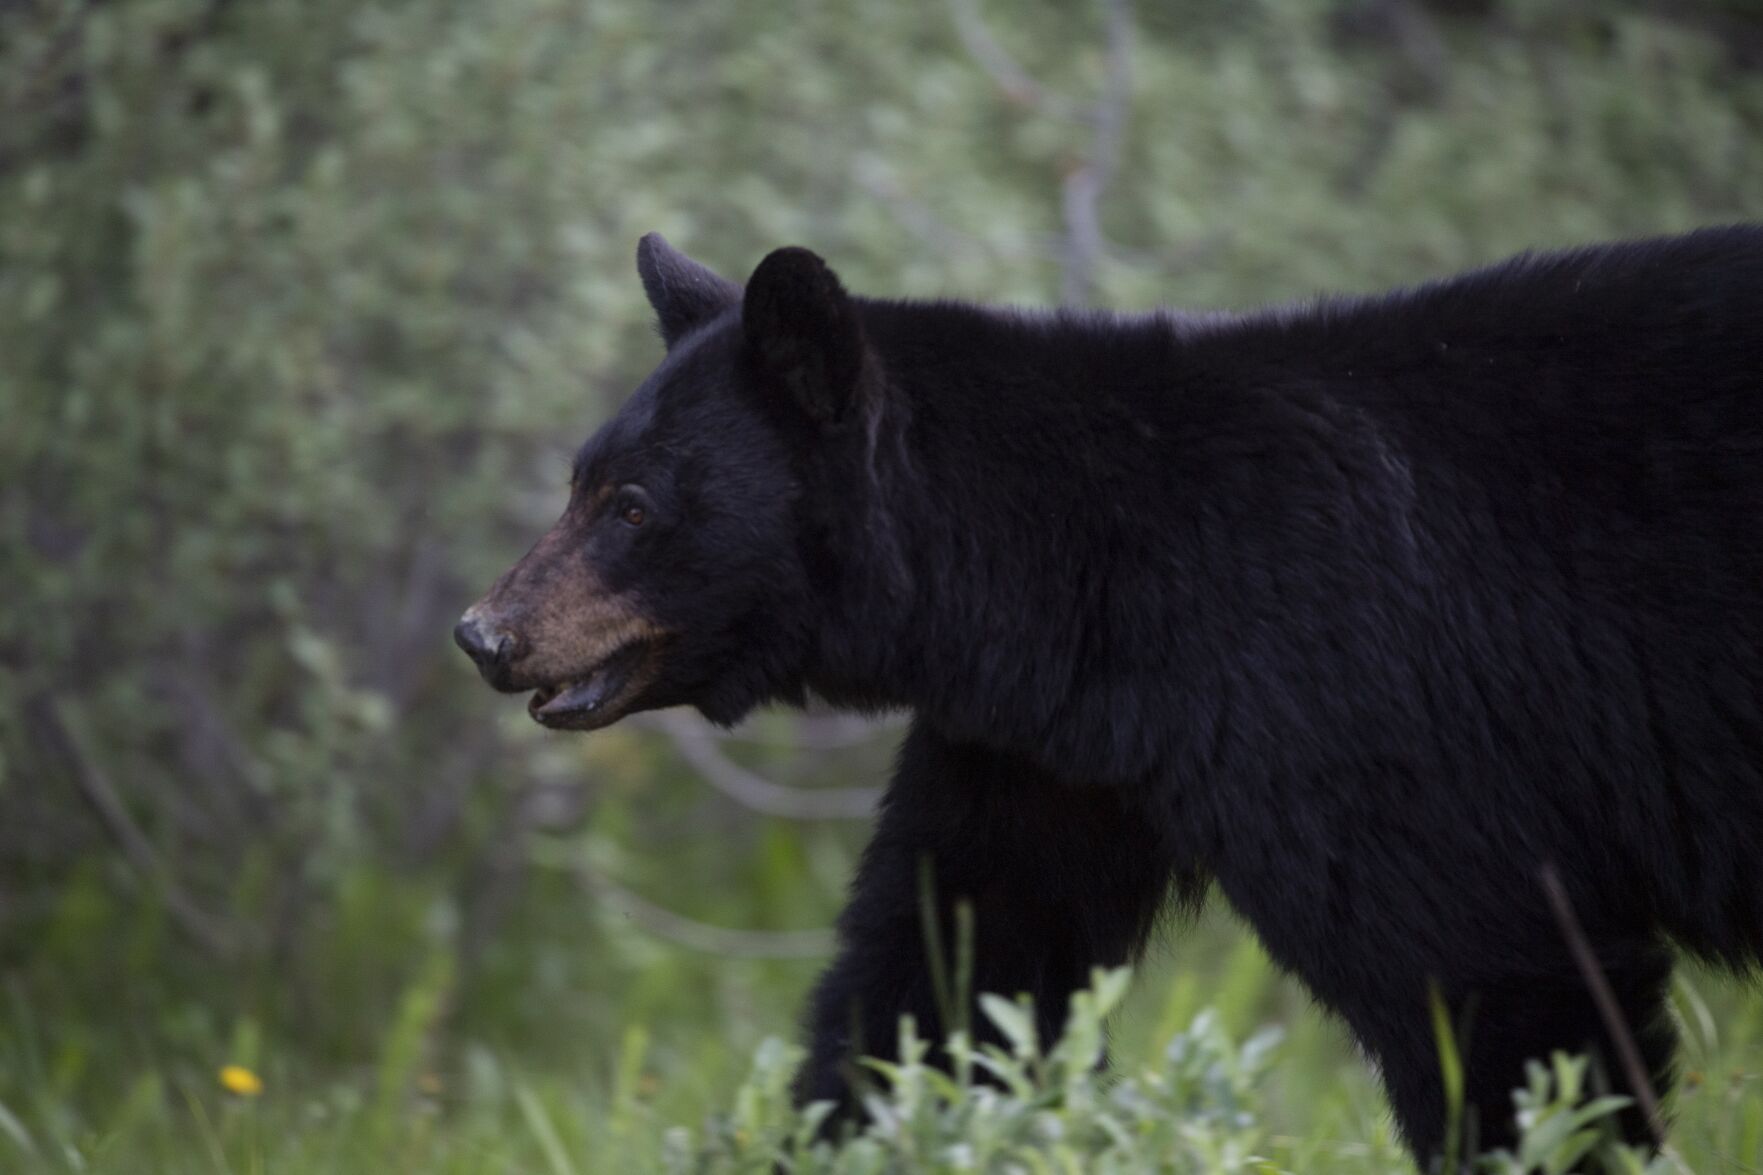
x=592 y=699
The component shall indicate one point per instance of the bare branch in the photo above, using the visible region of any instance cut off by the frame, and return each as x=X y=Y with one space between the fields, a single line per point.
x=1608 y=1009
x=688 y=932
x=813 y=731
x=923 y=222
x=1082 y=246
x=919 y=219
x=697 y=744
x=206 y=931
x=1082 y=190
x=833 y=730
x=225 y=789
x=1016 y=82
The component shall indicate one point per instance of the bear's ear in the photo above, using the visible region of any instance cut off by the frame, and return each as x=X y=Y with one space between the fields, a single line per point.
x=803 y=333
x=685 y=294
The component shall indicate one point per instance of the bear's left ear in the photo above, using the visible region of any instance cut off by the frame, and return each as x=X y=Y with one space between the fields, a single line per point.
x=685 y=294
x=803 y=332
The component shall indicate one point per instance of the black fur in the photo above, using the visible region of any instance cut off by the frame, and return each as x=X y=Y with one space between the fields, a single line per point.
x=1364 y=609
x=803 y=332
x=681 y=290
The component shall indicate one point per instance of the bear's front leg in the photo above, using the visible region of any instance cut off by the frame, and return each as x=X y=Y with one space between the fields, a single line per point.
x=1061 y=876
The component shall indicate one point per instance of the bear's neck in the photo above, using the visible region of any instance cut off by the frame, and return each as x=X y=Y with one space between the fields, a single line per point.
x=1030 y=544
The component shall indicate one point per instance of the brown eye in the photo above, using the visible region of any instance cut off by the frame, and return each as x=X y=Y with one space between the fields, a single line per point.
x=630 y=505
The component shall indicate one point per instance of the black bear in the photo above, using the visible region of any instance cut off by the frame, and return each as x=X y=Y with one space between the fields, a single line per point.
x=1365 y=611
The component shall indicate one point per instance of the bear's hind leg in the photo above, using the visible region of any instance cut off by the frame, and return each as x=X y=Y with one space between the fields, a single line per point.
x=1514 y=1020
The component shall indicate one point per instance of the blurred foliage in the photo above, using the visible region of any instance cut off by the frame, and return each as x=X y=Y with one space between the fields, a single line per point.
x=303 y=305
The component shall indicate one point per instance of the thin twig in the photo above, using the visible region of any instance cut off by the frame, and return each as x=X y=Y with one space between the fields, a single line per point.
x=701 y=936
x=688 y=932
x=113 y=814
x=1082 y=190
x=1627 y=1052
x=923 y=222
x=811 y=732
x=1083 y=245
x=1016 y=82
x=697 y=745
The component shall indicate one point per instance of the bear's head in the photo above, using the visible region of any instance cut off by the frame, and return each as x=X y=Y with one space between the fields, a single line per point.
x=683 y=569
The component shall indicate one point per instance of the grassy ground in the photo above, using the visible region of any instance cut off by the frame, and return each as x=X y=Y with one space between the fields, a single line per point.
x=413 y=1027
x=111 y=1056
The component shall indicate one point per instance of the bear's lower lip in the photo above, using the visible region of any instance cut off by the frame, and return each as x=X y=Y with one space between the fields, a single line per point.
x=584 y=702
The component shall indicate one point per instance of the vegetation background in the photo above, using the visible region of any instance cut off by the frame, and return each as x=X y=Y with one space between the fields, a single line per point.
x=304 y=305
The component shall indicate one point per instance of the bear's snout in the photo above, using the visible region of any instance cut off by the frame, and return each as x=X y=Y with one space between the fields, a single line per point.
x=492 y=647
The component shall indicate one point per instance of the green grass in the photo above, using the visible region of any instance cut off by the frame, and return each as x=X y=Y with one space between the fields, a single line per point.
x=581 y=1043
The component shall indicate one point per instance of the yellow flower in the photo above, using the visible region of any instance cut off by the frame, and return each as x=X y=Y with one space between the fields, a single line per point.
x=240 y=1080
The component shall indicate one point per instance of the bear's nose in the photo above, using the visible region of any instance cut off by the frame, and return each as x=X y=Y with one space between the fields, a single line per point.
x=490 y=647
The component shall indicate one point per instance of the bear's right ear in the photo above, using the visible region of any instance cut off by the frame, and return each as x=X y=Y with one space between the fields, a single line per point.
x=685 y=294
x=803 y=333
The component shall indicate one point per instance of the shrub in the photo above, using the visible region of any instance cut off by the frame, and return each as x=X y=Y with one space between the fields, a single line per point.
x=1038 y=1107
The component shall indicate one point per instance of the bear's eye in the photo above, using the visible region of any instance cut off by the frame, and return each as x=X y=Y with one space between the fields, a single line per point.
x=632 y=506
